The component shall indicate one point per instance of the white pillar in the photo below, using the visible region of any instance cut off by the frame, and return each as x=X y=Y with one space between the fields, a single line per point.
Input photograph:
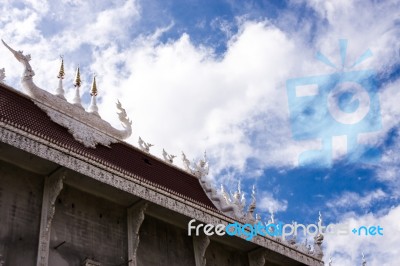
x=200 y=244
x=53 y=184
x=135 y=218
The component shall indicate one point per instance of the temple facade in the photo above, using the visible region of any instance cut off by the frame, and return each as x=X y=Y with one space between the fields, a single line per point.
x=73 y=192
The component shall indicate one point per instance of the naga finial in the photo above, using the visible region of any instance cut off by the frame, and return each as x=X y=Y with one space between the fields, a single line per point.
x=24 y=60
x=168 y=157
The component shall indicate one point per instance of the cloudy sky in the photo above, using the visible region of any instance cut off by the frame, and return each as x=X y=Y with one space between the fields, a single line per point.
x=214 y=75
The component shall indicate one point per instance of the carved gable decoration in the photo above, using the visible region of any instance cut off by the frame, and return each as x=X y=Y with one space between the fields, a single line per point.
x=87 y=127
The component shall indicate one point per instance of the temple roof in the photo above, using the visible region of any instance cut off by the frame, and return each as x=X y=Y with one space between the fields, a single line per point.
x=21 y=112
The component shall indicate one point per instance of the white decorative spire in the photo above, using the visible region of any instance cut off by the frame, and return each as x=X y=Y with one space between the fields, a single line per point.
x=330 y=261
x=93 y=109
x=168 y=157
x=319 y=218
x=144 y=146
x=2 y=75
x=272 y=217
x=252 y=206
x=199 y=169
x=318 y=239
x=77 y=84
x=225 y=195
x=364 y=262
x=186 y=163
x=239 y=200
x=61 y=74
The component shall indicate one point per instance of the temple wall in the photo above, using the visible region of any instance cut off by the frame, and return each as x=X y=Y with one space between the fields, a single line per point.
x=164 y=244
x=20 y=207
x=91 y=227
x=220 y=255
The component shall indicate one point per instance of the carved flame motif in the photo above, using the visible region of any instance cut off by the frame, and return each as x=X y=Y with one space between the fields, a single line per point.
x=199 y=169
x=168 y=157
x=144 y=146
x=2 y=75
x=86 y=127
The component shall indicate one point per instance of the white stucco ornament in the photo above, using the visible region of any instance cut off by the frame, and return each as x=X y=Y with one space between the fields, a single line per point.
x=144 y=146
x=2 y=75
x=168 y=157
x=86 y=127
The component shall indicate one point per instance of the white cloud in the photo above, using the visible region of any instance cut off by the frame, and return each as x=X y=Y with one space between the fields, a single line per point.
x=379 y=250
x=193 y=101
x=268 y=203
x=349 y=200
x=179 y=95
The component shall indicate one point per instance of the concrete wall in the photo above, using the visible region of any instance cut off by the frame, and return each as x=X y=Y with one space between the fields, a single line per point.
x=21 y=195
x=91 y=227
x=164 y=244
x=221 y=255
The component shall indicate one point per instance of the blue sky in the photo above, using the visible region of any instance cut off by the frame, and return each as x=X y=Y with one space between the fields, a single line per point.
x=211 y=75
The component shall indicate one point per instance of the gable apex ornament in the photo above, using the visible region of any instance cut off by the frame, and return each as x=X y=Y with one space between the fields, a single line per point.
x=87 y=127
